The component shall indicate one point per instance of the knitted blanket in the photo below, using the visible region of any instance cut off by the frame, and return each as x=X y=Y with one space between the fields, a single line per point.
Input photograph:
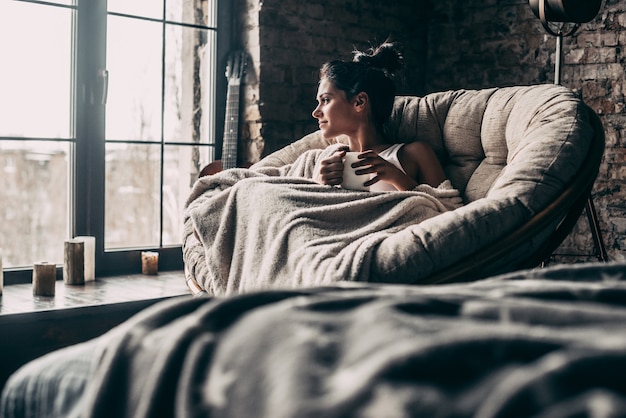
x=277 y=228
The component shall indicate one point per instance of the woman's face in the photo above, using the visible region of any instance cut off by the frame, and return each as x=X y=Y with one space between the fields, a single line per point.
x=334 y=113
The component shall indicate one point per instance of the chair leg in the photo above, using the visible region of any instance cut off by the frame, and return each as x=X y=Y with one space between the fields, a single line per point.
x=592 y=217
x=596 y=235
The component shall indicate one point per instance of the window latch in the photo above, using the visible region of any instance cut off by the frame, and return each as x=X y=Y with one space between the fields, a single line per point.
x=105 y=85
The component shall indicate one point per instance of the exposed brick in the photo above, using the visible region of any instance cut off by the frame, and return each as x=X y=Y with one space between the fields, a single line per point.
x=449 y=44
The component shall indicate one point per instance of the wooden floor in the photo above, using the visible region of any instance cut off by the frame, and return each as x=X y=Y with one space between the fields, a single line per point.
x=19 y=298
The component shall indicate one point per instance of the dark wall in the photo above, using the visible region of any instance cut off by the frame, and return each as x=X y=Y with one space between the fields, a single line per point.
x=290 y=40
x=487 y=43
x=448 y=44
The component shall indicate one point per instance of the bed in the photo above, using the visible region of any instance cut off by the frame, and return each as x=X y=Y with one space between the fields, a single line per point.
x=545 y=343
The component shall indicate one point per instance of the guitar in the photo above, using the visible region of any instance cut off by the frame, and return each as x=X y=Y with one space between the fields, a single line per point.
x=235 y=70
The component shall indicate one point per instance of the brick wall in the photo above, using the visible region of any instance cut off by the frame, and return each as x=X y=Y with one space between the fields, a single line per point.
x=448 y=44
x=290 y=40
x=486 y=43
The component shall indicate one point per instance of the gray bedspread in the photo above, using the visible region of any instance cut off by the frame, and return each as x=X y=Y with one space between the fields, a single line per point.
x=544 y=343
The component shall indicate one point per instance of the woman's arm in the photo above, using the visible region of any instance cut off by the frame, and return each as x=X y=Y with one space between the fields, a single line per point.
x=421 y=160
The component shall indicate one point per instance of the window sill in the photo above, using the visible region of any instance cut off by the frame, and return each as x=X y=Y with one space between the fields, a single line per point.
x=31 y=326
x=19 y=298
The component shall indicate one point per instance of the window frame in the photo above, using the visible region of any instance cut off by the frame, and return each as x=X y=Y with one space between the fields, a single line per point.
x=88 y=146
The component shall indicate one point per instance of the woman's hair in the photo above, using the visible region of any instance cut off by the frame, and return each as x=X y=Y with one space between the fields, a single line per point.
x=371 y=72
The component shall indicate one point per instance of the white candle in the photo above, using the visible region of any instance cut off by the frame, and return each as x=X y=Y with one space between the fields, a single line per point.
x=350 y=179
x=149 y=262
x=1 y=273
x=89 y=257
x=74 y=262
x=44 y=279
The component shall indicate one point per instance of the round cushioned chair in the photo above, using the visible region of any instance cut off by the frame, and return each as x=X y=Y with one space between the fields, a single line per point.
x=524 y=158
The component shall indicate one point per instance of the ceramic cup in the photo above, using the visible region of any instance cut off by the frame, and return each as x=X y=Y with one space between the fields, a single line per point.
x=350 y=179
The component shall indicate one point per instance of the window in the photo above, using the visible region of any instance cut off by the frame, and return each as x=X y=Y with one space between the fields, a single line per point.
x=108 y=113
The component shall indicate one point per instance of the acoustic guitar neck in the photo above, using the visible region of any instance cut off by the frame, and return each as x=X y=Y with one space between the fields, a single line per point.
x=234 y=73
x=231 y=127
x=230 y=140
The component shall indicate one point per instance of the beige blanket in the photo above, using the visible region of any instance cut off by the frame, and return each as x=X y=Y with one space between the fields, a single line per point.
x=274 y=227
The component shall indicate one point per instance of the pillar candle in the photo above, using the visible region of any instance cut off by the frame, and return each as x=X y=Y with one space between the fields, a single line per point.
x=149 y=262
x=89 y=257
x=44 y=279
x=1 y=273
x=74 y=262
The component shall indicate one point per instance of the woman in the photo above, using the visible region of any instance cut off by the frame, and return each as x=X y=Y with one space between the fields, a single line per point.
x=355 y=98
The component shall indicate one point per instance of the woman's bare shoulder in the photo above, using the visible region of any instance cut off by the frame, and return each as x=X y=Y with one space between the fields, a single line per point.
x=417 y=151
x=427 y=166
x=417 y=146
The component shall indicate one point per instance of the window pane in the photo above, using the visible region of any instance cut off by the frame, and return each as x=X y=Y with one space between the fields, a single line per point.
x=180 y=173
x=145 y=8
x=35 y=46
x=132 y=200
x=194 y=12
x=189 y=85
x=134 y=62
x=63 y=2
x=34 y=196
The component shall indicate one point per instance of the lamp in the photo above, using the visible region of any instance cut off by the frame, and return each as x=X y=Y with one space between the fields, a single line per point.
x=562 y=18
x=570 y=14
x=575 y=11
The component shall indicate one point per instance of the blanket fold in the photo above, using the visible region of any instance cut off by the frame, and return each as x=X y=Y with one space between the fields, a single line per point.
x=276 y=227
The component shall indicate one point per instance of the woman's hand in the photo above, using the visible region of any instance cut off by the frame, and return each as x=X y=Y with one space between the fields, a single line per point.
x=383 y=170
x=331 y=169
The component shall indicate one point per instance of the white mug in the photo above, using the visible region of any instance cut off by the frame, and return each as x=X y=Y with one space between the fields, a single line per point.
x=350 y=179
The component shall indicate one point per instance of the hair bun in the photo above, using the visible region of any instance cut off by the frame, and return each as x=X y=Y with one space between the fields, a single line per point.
x=384 y=57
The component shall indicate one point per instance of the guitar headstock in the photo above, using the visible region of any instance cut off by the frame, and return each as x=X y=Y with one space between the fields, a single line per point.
x=236 y=66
